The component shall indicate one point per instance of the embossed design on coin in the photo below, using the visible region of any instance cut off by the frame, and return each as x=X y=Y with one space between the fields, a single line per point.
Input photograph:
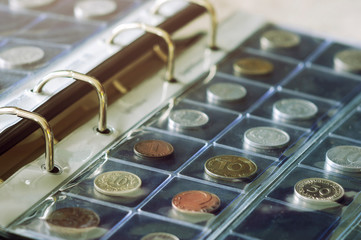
x=231 y=168
x=153 y=149
x=252 y=66
x=94 y=8
x=345 y=158
x=318 y=190
x=266 y=138
x=348 y=60
x=29 y=3
x=73 y=218
x=225 y=92
x=294 y=109
x=117 y=183
x=196 y=201
x=21 y=56
x=160 y=236
x=187 y=119
x=274 y=39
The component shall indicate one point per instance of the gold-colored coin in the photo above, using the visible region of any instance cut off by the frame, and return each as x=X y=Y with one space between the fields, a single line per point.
x=279 y=39
x=252 y=66
x=230 y=168
x=117 y=183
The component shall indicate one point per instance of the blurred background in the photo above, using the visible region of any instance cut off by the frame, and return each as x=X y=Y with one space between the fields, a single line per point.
x=338 y=19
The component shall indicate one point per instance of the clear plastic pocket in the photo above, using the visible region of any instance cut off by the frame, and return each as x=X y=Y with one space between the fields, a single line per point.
x=271 y=218
x=235 y=136
x=252 y=92
x=141 y=225
x=302 y=45
x=184 y=149
x=161 y=203
x=149 y=181
x=278 y=69
x=88 y=219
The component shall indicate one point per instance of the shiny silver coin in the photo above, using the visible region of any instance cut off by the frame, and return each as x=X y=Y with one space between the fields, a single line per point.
x=225 y=92
x=159 y=236
x=29 y=3
x=348 y=60
x=318 y=190
x=294 y=109
x=21 y=56
x=117 y=183
x=344 y=158
x=266 y=138
x=274 y=39
x=94 y=8
x=187 y=119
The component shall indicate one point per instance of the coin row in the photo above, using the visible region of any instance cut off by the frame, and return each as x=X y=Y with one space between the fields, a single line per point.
x=299 y=46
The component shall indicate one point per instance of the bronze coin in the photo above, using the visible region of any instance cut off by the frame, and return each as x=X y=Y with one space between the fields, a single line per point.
x=74 y=217
x=153 y=149
x=196 y=201
x=252 y=66
x=230 y=168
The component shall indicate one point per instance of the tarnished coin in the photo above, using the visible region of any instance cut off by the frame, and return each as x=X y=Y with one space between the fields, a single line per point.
x=29 y=3
x=274 y=39
x=348 y=60
x=266 y=138
x=187 y=119
x=94 y=8
x=225 y=92
x=153 y=149
x=21 y=56
x=231 y=168
x=294 y=109
x=117 y=183
x=196 y=201
x=318 y=190
x=252 y=66
x=159 y=236
x=344 y=158
x=73 y=218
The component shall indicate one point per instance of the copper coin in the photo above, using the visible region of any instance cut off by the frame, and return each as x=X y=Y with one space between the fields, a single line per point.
x=196 y=201
x=74 y=217
x=153 y=149
x=252 y=66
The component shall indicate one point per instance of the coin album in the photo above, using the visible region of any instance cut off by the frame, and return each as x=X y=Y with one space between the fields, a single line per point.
x=256 y=136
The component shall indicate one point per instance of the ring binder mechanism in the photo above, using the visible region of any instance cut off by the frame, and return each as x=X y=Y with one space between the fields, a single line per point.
x=102 y=123
x=210 y=9
x=45 y=127
x=157 y=31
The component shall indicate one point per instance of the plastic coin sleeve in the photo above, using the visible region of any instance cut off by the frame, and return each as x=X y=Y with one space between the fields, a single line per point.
x=304 y=69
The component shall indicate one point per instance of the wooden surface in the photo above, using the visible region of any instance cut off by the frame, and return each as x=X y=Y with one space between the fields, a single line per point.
x=334 y=18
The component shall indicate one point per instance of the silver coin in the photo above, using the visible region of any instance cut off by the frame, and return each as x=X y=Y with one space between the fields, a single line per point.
x=294 y=109
x=94 y=8
x=117 y=183
x=29 y=3
x=348 y=60
x=225 y=92
x=318 y=190
x=266 y=138
x=187 y=119
x=274 y=39
x=344 y=158
x=159 y=236
x=21 y=56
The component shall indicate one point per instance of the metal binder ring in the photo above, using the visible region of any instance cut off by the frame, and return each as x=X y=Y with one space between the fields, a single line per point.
x=203 y=3
x=45 y=127
x=155 y=30
x=102 y=123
